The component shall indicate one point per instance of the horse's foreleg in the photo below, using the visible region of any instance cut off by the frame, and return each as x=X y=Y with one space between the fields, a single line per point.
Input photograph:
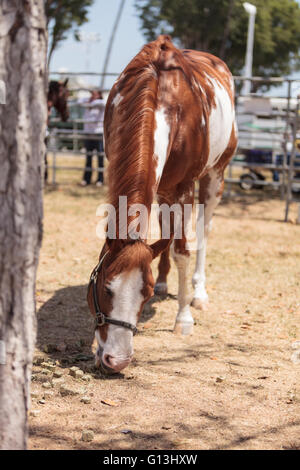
x=164 y=265
x=161 y=287
x=210 y=192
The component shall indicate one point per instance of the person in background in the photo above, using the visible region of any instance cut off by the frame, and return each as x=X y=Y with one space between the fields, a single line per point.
x=93 y=124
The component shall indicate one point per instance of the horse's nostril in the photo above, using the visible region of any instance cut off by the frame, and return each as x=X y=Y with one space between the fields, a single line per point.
x=108 y=360
x=115 y=364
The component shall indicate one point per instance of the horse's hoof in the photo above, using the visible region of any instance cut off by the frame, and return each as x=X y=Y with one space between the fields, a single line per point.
x=184 y=329
x=199 y=304
x=161 y=288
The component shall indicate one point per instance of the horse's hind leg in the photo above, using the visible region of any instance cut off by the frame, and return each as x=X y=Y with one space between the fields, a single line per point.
x=210 y=192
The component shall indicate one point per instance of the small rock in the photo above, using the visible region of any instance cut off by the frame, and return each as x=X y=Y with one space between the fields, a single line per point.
x=79 y=374
x=58 y=381
x=220 y=379
x=37 y=361
x=35 y=412
x=87 y=436
x=47 y=395
x=46 y=385
x=48 y=366
x=46 y=372
x=126 y=431
x=57 y=374
x=39 y=378
x=86 y=400
x=42 y=402
x=86 y=377
x=66 y=390
x=34 y=394
x=73 y=370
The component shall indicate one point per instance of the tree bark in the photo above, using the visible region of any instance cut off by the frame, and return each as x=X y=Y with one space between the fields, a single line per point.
x=22 y=131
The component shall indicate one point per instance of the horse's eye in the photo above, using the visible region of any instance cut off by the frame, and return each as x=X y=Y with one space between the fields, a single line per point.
x=108 y=291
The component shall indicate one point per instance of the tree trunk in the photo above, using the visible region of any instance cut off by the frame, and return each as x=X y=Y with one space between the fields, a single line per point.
x=22 y=130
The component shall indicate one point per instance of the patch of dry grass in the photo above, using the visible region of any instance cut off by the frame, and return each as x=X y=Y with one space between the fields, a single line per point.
x=231 y=385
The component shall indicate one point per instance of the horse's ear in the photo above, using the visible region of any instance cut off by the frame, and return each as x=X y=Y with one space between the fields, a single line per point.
x=160 y=246
x=66 y=82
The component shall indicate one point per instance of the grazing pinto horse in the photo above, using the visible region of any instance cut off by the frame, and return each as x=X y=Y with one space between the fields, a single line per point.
x=169 y=121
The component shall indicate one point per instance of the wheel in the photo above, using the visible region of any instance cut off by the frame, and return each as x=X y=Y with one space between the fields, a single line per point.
x=247 y=181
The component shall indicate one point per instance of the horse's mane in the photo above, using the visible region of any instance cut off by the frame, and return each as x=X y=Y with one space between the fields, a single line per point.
x=53 y=87
x=130 y=136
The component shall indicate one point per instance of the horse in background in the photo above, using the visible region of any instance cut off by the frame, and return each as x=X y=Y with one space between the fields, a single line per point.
x=57 y=98
x=169 y=121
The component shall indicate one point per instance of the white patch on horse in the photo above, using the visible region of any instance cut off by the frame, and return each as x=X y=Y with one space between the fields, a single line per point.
x=117 y=99
x=161 y=141
x=220 y=123
x=127 y=299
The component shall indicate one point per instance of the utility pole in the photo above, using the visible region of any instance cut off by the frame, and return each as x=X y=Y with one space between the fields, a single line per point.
x=251 y=10
x=110 y=44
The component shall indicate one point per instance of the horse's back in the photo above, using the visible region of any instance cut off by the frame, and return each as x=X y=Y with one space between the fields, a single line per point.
x=191 y=96
x=196 y=88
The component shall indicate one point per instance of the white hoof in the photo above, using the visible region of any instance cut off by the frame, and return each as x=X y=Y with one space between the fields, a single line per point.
x=183 y=328
x=199 y=304
x=161 y=288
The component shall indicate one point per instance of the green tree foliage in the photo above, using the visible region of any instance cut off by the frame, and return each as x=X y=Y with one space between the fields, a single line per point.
x=62 y=16
x=220 y=27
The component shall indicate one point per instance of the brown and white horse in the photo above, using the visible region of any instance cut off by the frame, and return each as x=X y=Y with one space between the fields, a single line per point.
x=58 y=98
x=169 y=121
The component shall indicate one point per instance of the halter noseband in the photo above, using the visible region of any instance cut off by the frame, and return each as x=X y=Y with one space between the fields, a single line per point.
x=101 y=318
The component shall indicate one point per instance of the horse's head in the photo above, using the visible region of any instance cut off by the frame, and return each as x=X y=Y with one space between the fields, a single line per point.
x=58 y=97
x=122 y=284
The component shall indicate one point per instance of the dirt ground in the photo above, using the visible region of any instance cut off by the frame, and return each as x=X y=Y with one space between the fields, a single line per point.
x=231 y=385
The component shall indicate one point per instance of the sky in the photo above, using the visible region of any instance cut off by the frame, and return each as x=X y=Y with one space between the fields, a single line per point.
x=74 y=56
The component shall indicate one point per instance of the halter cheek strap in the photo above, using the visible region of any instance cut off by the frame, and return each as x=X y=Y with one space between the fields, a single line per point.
x=101 y=318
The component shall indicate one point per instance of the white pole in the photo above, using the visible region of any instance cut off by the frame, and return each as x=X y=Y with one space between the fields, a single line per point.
x=251 y=10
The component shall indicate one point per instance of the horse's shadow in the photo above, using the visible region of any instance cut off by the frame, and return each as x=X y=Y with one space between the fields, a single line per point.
x=66 y=326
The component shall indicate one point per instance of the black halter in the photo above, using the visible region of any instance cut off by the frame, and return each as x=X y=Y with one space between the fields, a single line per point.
x=101 y=318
